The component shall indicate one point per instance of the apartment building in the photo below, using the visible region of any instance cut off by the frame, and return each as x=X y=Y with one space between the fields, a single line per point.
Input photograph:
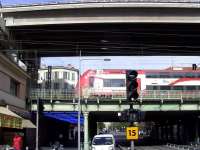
x=14 y=117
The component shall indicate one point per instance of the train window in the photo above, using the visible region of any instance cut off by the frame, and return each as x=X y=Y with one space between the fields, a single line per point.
x=114 y=83
x=151 y=75
x=177 y=75
x=189 y=75
x=150 y=87
x=190 y=88
x=164 y=75
x=198 y=75
x=165 y=87
x=91 y=81
x=178 y=88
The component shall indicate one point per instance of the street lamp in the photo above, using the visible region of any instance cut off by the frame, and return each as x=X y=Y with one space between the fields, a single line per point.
x=79 y=96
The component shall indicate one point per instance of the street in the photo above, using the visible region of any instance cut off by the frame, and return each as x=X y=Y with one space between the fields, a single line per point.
x=162 y=147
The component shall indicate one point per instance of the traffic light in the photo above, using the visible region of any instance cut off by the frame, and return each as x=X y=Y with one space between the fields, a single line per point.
x=131 y=85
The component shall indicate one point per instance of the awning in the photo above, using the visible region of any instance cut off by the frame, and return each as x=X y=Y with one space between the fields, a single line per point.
x=13 y=123
x=5 y=111
x=26 y=116
x=27 y=124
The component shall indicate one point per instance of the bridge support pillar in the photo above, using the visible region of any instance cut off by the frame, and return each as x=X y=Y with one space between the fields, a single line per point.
x=86 y=132
x=197 y=131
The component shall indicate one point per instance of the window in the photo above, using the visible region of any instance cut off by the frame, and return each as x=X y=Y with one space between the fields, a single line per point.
x=56 y=85
x=73 y=76
x=91 y=82
x=178 y=88
x=102 y=141
x=39 y=86
x=177 y=75
x=68 y=76
x=114 y=83
x=151 y=75
x=64 y=75
x=150 y=87
x=14 y=85
x=190 y=88
x=46 y=75
x=66 y=85
x=164 y=75
x=56 y=75
x=189 y=75
x=165 y=88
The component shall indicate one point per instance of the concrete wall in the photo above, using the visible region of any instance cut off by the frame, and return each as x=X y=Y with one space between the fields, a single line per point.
x=9 y=70
x=4 y=82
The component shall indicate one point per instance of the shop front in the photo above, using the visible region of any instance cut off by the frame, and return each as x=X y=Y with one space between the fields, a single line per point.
x=10 y=124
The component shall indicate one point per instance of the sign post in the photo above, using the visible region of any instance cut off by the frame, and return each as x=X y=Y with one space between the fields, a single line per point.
x=132 y=134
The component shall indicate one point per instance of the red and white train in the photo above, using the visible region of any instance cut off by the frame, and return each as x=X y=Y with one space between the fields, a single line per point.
x=111 y=82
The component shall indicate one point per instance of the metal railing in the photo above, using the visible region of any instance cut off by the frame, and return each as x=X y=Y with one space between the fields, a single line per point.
x=52 y=94
x=115 y=95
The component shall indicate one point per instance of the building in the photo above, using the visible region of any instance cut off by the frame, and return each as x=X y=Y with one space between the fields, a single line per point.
x=13 y=101
x=59 y=79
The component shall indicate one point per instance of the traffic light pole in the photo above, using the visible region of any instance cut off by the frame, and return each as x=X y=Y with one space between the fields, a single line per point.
x=37 y=126
x=131 y=124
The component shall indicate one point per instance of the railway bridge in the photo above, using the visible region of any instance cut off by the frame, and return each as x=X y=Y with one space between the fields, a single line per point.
x=167 y=109
x=131 y=28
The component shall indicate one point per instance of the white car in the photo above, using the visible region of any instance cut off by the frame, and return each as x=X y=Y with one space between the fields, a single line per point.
x=103 y=142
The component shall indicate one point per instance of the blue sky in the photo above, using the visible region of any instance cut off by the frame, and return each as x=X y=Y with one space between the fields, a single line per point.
x=18 y=2
x=121 y=62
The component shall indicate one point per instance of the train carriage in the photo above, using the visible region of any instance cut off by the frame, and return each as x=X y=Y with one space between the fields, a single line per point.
x=110 y=83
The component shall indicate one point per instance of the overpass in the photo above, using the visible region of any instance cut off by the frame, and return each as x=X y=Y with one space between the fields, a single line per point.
x=165 y=108
x=138 y=27
x=98 y=29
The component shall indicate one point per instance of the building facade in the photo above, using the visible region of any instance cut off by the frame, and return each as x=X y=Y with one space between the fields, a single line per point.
x=60 y=80
x=13 y=101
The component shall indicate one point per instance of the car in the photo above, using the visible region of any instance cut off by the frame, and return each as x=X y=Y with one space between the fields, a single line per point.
x=103 y=142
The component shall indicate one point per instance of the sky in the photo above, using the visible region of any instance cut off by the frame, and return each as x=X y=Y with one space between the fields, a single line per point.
x=20 y=2
x=122 y=62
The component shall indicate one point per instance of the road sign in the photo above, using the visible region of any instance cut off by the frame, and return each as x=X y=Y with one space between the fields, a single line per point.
x=132 y=133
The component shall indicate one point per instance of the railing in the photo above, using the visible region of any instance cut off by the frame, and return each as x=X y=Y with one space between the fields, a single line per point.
x=115 y=95
x=11 y=4
x=52 y=94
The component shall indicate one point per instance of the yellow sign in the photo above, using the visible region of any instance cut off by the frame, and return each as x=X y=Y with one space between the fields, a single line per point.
x=132 y=133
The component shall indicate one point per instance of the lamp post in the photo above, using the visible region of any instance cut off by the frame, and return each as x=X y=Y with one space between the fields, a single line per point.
x=79 y=97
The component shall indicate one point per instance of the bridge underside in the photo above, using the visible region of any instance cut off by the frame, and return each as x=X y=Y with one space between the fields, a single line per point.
x=145 y=39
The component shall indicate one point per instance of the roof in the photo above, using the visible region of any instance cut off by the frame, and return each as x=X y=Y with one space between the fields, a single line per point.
x=60 y=67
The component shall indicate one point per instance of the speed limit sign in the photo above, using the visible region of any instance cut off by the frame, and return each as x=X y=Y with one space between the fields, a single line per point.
x=132 y=133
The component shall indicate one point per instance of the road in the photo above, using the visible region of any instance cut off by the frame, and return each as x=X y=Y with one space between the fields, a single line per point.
x=148 y=148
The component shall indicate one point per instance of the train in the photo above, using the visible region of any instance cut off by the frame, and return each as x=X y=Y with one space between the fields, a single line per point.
x=112 y=82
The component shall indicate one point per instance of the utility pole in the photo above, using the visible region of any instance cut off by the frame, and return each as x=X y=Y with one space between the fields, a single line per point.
x=37 y=126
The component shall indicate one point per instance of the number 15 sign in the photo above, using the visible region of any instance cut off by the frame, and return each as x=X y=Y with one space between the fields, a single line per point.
x=132 y=133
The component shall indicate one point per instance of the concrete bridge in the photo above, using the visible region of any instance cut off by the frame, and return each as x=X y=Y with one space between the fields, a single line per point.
x=103 y=12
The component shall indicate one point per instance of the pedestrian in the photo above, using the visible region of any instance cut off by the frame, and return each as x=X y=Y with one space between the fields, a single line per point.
x=17 y=142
